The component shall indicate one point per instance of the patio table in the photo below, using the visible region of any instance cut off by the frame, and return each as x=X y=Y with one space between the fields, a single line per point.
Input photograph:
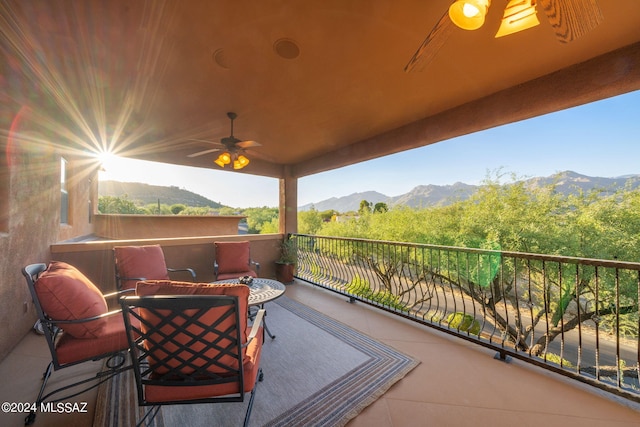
x=261 y=291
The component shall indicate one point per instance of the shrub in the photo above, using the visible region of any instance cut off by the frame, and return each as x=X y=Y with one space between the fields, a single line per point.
x=464 y=323
x=360 y=287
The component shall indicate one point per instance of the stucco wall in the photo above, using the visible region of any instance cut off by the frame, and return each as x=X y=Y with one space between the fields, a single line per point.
x=162 y=226
x=31 y=218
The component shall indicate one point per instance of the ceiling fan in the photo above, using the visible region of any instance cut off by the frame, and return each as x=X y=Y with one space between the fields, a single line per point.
x=233 y=149
x=569 y=18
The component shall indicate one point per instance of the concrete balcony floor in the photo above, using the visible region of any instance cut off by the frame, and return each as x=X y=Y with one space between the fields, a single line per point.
x=456 y=383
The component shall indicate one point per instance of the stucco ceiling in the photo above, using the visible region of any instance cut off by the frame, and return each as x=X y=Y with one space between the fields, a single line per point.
x=145 y=77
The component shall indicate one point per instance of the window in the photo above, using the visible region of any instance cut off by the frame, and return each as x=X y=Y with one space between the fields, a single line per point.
x=64 y=194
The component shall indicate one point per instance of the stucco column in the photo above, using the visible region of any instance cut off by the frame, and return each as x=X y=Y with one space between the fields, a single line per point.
x=288 y=203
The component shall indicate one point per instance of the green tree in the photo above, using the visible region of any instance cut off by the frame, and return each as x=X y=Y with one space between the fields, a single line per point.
x=195 y=210
x=380 y=207
x=177 y=208
x=117 y=205
x=257 y=217
x=365 y=207
x=157 y=209
x=272 y=226
x=309 y=222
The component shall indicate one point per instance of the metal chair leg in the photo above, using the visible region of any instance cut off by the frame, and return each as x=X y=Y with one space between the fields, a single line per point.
x=30 y=419
x=149 y=416
x=260 y=377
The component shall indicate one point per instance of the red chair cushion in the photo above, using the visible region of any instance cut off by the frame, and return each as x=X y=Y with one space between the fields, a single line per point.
x=113 y=338
x=168 y=287
x=251 y=365
x=67 y=294
x=142 y=262
x=232 y=257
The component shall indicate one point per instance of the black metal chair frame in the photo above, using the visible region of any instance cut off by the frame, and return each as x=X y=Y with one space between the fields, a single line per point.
x=148 y=338
x=120 y=279
x=253 y=263
x=52 y=330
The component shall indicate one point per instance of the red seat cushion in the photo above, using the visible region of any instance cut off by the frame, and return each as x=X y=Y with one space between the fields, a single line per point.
x=140 y=262
x=232 y=257
x=251 y=365
x=67 y=294
x=113 y=338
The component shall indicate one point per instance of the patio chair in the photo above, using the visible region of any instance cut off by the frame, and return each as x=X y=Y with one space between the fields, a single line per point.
x=233 y=260
x=135 y=263
x=192 y=349
x=77 y=326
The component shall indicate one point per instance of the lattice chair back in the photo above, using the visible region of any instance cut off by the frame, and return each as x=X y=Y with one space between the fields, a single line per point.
x=190 y=349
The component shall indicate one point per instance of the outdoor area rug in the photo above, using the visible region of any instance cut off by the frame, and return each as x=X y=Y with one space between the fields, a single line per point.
x=317 y=372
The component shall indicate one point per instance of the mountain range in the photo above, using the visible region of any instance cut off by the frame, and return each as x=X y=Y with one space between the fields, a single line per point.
x=421 y=196
x=439 y=195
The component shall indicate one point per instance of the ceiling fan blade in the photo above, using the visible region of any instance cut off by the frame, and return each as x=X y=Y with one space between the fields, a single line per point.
x=572 y=18
x=200 y=153
x=258 y=155
x=207 y=141
x=247 y=144
x=431 y=45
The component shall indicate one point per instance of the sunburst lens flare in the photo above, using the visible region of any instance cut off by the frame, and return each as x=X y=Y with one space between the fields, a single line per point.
x=106 y=159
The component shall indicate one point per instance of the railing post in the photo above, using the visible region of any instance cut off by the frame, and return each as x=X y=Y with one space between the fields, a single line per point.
x=502 y=356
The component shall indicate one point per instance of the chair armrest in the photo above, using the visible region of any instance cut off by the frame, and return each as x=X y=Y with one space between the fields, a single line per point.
x=84 y=319
x=255 y=328
x=257 y=265
x=190 y=270
x=121 y=280
x=119 y=293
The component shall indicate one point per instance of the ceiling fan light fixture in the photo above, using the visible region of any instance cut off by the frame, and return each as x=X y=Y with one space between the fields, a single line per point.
x=469 y=14
x=223 y=159
x=518 y=15
x=240 y=162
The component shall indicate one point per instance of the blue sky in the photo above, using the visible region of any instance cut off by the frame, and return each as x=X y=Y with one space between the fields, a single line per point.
x=598 y=139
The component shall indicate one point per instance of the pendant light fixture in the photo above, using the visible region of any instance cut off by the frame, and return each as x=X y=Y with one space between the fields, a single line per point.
x=469 y=14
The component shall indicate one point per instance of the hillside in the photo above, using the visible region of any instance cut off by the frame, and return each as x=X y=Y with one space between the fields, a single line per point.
x=569 y=182
x=346 y=203
x=143 y=194
x=421 y=196
x=433 y=195
x=439 y=195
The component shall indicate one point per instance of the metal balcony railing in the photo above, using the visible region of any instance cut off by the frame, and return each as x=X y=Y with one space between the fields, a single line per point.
x=575 y=316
